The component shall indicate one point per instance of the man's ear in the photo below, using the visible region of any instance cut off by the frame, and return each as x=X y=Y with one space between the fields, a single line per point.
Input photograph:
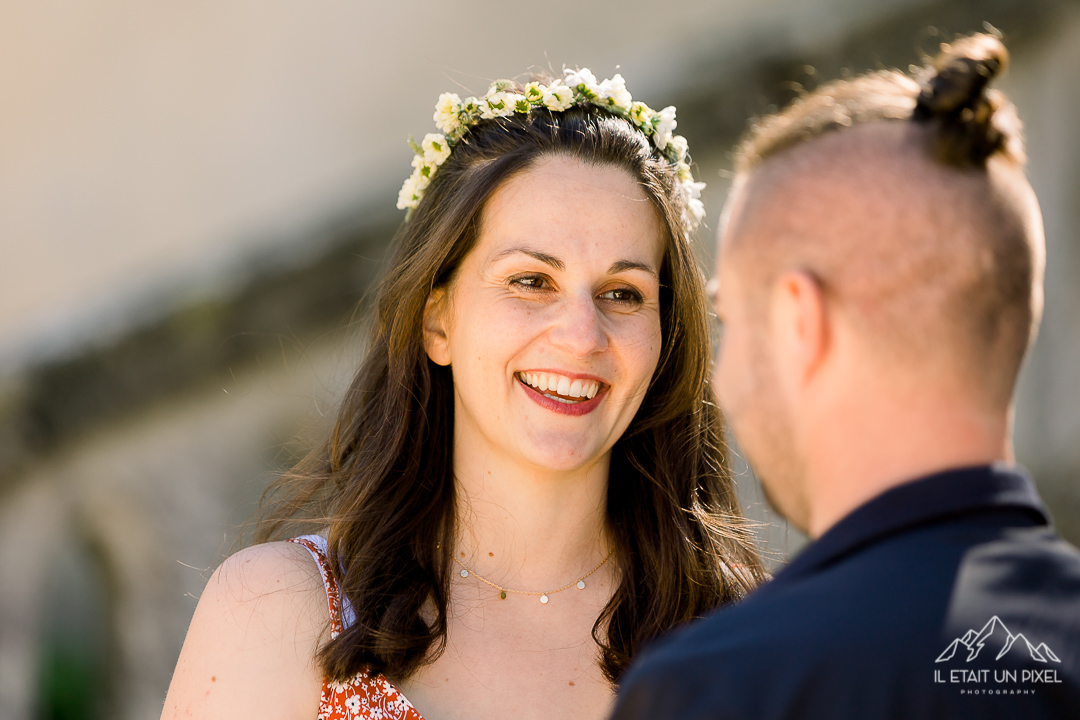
x=801 y=326
x=436 y=338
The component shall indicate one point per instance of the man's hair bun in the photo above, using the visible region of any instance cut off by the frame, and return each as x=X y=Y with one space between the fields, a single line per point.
x=957 y=105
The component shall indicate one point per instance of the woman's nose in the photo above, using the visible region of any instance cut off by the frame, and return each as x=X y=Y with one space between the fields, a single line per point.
x=579 y=326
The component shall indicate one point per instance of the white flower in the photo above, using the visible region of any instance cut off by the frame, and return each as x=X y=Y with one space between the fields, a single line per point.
x=470 y=106
x=558 y=98
x=424 y=170
x=642 y=116
x=680 y=146
x=407 y=198
x=664 y=125
x=584 y=82
x=518 y=103
x=423 y=179
x=490 y=106
x=615 y=92
x=496 y=104
x=693 y=189
x=695 y=210
x=353 y=703
x=446 y=112
x=435 y=149
x=684 y=173
x=534 y=93
x=413 y=189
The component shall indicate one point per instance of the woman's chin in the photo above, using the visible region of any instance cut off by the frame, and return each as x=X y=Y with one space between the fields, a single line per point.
x=563 y=457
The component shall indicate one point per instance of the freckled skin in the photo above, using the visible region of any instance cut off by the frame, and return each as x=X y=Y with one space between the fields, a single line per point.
x=238 y=632
x=522 y=314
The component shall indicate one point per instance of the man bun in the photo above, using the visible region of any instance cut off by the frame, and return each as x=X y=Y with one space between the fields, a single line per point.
x=965 y=117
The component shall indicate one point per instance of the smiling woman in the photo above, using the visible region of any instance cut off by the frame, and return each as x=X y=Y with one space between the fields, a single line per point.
x=565 y=303
x=532 y=417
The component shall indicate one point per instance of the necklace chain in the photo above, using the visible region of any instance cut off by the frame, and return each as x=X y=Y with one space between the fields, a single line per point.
x=580 y=582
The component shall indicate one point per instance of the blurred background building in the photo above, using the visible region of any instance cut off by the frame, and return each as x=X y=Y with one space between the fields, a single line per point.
x=195 y=198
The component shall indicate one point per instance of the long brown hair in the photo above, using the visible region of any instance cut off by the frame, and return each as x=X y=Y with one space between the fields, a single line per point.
x=384 y=484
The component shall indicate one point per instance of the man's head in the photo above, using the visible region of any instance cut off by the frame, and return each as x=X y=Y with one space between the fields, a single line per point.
x=881 y=254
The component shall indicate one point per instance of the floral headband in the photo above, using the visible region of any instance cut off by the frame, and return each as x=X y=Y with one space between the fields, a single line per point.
x=454 y=117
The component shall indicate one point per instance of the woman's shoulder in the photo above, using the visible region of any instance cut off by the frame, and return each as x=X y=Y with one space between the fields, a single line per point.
x=252 y=641
x=274 y=572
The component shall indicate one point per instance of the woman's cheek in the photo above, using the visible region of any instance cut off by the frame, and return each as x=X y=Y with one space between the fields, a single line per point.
x=521 y=318
x=644 y=342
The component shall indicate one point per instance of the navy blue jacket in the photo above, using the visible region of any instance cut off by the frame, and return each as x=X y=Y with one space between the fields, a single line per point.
x=946 y=597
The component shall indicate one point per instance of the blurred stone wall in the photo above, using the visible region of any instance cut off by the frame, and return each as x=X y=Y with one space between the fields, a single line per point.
x=147 y=397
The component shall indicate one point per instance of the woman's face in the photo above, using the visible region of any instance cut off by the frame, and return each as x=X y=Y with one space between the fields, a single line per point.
x=552 y=323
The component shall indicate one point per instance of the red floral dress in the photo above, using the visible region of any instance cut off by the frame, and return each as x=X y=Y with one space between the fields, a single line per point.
x=363 y=696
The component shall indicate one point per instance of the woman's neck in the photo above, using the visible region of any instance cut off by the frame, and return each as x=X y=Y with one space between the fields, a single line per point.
x=530 y=528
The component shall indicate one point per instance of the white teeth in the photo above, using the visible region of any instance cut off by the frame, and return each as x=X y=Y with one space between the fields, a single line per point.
x=564 y=386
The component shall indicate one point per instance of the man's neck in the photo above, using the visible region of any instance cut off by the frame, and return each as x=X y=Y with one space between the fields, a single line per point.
x=862 y=456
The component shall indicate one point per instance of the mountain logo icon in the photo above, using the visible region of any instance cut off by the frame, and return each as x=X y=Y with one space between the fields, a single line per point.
x=995 y=635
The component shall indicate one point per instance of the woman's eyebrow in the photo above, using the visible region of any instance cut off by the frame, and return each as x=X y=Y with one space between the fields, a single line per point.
x=551 y=260
x=623 y=265
x=617 y=267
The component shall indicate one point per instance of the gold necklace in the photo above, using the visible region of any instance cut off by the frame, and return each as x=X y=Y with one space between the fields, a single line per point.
x=466 y=572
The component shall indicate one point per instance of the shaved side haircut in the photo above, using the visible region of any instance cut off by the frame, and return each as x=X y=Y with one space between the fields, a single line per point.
x=905 y=196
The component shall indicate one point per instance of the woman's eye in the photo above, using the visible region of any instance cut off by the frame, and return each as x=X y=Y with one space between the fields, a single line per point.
x=622 y=295
x=530 y=282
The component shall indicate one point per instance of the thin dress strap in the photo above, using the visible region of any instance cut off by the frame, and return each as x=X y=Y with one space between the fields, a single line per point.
x=333 y=593
x=363 y=696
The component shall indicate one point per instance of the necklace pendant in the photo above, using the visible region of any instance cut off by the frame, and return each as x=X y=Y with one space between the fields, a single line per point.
x=502 y=594
x=544 y=599
x=464 y=572
x=580 y=584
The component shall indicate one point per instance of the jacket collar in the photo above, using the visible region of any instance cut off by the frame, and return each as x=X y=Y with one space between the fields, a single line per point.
x=922 y=501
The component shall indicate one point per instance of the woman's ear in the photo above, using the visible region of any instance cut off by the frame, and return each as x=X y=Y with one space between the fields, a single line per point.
x=436 y=338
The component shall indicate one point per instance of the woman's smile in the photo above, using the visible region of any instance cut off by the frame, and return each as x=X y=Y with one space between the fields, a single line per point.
x=563 y=393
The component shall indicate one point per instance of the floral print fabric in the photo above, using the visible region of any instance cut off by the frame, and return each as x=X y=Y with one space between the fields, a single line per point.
x=363 y=696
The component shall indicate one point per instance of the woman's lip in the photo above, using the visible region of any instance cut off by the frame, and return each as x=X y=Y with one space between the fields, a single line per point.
x=573 y=409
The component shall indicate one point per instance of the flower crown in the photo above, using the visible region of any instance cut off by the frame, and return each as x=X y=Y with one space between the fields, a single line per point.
x=454 y=117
